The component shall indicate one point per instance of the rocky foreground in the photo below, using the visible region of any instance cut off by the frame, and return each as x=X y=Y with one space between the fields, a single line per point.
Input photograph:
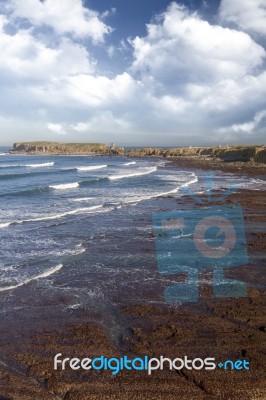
x=247 y=154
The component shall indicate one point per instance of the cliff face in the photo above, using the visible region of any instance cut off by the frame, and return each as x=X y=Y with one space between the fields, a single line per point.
x=227 y=154
x=252 y=154
x=59 y=148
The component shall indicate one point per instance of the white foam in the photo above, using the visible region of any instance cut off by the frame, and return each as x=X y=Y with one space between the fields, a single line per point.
x=81 y=199
x=65 y=186
x=83 y=210
x=5 y=224
x=172 y=191
x=91 y=167
x=48 y=164
x=79 y=249
x=42 y=275
x=75 y=306
x=193 y=180
x=130 y=163
x=152 y=196
x=149 y=171
x=9 y=165
x=167 y=193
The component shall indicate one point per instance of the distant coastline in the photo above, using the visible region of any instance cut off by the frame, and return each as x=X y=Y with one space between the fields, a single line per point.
x=245 y=158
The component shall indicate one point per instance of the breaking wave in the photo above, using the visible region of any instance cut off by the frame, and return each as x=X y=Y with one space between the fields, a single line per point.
x=130 y=163
x=48 y=164
x=83 y=210
x=121 y=176
x=44 y=274
x=91 y=167
x=65 y=186
x=80 y=199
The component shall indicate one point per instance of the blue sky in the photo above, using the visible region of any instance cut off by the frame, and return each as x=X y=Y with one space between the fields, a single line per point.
x=152 y=72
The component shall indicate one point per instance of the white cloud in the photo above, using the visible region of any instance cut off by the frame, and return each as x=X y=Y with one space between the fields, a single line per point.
x=199 y=76
x=103 y=122
x=85 y=90
x=184 y=48
x=64 y=16
x=25 y=56
x=247 y=127
x=57 y=128
x=248 y=14
x=190 y=82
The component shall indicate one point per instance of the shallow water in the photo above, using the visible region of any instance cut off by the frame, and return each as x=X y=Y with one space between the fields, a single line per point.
x=80 y=229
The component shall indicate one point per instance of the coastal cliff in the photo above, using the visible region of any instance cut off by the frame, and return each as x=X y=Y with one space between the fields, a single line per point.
x=58 y=148
x=252 y=154
x=227 y=154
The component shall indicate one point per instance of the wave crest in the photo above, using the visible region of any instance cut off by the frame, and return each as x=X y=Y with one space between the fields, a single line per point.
x=91 y=167
x=130 y=163
x=44 y=274
x=83 y=210
x=48 y=164
x=65 y=186
x=149 y=171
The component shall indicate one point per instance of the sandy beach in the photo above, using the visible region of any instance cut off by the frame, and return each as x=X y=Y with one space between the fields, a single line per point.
x=221 y=328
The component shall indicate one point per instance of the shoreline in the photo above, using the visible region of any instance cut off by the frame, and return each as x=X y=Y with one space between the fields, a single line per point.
x=212 y=327
x=237 y=167
x=198 y=162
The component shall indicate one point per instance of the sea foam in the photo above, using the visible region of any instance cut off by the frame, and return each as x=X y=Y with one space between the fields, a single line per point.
x=121 y=176
x=130 y=163
x=80 y=199
x=193 y=180
x=44 y=274
x=65 y=186
x=83 y=210
x=48 y=164
x=5 y=224
x=91 y=167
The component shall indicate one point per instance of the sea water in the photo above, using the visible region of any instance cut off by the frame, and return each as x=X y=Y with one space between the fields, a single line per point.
x=82 y=225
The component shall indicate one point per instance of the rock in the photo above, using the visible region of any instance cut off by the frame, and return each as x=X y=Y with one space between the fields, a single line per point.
x=59 y=148
x=226 y=154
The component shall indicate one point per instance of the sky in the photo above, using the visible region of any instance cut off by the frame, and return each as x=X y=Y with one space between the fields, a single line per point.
x=136 y=73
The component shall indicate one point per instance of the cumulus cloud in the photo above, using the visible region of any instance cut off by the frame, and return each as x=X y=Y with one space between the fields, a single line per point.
x=247 y=14
x=104 y=122
x=184 y=48
x=189 y=82
x=200 y=76
x=67 y=16
x=247 y=127
x=23 y=55
x=57 y=128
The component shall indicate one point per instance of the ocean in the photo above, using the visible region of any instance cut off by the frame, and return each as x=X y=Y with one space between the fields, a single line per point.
x=76 y=231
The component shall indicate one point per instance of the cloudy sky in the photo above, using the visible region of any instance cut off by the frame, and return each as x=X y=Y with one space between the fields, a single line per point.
x=151 y=72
